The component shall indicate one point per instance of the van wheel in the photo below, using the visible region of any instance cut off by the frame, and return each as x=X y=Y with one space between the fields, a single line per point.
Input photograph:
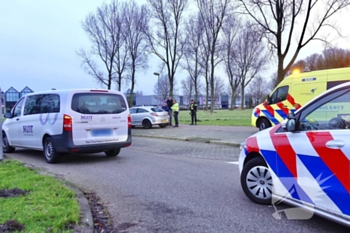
x=146 y=124
x=264 y=124
x=50 y=153
x=113 y=152
x=6 y=145
x=256 y=181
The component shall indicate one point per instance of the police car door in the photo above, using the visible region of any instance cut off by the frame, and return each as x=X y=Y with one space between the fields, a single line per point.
x=317 y=155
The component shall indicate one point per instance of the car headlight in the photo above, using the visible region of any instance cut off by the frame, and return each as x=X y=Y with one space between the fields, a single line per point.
x=243 y=145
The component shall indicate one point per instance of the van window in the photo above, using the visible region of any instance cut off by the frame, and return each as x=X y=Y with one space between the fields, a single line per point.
x=43 y=103
x=98 y=103
x=279 y=95
x=18 y=108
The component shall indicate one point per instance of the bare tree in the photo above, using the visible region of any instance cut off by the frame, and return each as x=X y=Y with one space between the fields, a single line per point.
x=219 y=86
x=258 y=89
x=105 y=31
x=213 y=13
x=250 y=57
x=192 y=52
x=136 y=21
x=331 y=58
x=278 y=21
x=139 y=93
x=166 y=40
x=187 y=86
x=162 y=88
x=230 y=30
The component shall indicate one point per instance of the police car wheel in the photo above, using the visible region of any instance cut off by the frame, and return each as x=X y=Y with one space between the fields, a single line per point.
x=146 y=124
x=6 y=145
x=113 y=152
x=256 y=181
x=264 y=124
x=50 y=153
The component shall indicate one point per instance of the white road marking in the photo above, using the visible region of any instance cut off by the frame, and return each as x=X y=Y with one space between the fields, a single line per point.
x=234 y=162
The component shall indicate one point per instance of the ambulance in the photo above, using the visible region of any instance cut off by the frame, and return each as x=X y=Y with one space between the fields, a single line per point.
x=295 y=91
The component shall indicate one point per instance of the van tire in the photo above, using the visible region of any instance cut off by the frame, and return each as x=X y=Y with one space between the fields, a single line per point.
x=50 y=153
x=146 y=124
x=6 y=145
x=264 y=123
x=256 y=178
x=112 y=153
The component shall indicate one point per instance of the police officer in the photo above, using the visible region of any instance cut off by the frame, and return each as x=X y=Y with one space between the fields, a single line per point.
x=193 y=109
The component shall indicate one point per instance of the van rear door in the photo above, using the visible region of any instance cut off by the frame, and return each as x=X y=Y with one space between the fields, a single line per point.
x=99 y=116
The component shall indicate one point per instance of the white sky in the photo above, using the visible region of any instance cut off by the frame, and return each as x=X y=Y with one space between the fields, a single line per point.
x=39 y=40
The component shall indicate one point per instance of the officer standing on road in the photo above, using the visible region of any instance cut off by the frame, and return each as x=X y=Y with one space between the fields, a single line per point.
x=170 y=103
x=193 y=109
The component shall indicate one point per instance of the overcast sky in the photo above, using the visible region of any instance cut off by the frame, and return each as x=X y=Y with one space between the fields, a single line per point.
x=39 y=40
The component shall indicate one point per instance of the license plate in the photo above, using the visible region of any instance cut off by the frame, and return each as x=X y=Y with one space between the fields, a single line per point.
x=164 y=120
x=101 y=132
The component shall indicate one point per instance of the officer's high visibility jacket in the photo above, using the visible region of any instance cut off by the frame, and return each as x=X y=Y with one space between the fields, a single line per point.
x=175 y=107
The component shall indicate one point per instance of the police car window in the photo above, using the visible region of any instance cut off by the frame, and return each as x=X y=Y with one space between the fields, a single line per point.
x=334 y=114
x=279 y=95
x=98 y=103
x=18 y=108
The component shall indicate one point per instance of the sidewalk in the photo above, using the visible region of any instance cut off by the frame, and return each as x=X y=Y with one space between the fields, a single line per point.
x=224 y=135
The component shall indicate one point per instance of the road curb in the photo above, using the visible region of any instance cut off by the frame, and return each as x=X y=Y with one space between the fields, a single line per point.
x=192 y=139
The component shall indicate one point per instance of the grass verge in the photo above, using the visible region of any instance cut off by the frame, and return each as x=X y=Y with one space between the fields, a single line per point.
x=47 y=205
x=219 y=117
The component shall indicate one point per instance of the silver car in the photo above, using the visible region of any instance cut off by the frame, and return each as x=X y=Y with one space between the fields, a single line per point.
x=148 y=116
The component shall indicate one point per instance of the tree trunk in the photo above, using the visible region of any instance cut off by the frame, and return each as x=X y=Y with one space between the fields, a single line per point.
x=242 y=96
x=233 y=91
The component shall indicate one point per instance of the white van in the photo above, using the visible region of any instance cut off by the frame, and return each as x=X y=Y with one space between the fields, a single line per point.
x=68 y=121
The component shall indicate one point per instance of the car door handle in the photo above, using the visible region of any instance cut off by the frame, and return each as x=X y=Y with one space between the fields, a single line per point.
x=335 y=144
x=17 y=119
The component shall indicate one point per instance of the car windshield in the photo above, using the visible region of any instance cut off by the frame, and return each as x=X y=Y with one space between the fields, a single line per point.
x=157 y=110
x=98 y=103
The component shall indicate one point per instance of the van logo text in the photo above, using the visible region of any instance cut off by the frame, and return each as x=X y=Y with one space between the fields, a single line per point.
x=27 y=129
x=86 y=118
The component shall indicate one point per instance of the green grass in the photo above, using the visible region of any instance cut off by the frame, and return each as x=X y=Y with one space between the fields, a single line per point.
x=47 y=205
x=219 y=117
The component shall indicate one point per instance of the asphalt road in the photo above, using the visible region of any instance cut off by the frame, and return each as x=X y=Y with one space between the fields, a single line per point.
x=173 y=186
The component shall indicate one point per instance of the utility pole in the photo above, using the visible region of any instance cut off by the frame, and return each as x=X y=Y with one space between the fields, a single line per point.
x=157 y=74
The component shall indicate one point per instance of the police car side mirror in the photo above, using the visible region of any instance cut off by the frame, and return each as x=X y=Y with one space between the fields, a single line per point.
x=290 y=125
x=7 y=115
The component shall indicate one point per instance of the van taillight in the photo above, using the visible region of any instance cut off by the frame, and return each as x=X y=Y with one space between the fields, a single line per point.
x=129 y=121
x=67 y=123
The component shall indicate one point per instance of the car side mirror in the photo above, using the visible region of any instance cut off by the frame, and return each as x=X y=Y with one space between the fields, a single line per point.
x=268 y=99
x=7 y=115
x=291 y=125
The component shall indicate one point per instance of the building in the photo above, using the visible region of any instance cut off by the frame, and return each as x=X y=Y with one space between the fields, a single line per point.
x=12 y=96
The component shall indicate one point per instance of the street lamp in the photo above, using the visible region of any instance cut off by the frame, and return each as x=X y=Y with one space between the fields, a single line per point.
x=157 y=74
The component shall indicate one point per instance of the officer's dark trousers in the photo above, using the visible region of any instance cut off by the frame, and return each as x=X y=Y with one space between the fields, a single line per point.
x=193 y=117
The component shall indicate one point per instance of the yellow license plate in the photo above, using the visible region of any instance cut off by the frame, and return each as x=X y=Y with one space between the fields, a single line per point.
x=165 y=120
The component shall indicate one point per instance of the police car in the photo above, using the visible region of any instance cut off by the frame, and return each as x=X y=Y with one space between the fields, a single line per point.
x=305 y=161
x=68 y=121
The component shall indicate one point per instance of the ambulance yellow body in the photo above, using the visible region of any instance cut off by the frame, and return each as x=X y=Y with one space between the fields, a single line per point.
x=295 y=91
